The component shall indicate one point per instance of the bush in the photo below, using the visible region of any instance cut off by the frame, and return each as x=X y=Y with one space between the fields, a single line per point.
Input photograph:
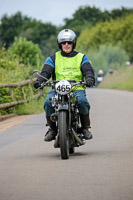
x=26 y=52
x=12 y=72
x=108 y=56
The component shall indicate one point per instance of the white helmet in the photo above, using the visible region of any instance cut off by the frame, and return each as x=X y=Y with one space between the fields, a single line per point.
x=66 y=35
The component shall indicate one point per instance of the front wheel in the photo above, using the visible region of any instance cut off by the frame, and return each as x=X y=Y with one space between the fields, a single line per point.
x=63 y=134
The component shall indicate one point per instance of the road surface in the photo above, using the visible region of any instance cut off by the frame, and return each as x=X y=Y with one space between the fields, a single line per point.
x=31 y=169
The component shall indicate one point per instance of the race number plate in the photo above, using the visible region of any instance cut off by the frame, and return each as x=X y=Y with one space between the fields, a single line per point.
x=63 y=87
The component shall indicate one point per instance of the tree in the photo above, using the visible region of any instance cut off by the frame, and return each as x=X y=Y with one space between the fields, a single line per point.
x=18 y=25
x=87 y=16
x=84 y=16
x=11 y=27
x=115 y=13
x=109 y=33
x=41 y=34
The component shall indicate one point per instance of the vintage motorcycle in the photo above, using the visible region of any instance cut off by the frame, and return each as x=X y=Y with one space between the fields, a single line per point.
x=66 y=115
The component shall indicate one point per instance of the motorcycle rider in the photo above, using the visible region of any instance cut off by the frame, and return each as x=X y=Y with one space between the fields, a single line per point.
x=68 y=64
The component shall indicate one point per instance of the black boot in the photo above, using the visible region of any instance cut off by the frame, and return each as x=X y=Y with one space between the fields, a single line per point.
x=85 y=122
x=52 y=132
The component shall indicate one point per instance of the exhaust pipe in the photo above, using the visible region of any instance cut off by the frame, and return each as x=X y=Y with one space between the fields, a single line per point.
x=81 y=142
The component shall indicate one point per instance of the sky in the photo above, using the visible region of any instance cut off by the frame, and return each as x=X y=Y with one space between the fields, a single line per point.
x=55 y=11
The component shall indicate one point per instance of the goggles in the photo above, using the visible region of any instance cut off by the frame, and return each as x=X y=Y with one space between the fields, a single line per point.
x=66 y=42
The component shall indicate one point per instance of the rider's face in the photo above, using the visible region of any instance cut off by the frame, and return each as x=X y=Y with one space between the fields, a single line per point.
x=67 y=46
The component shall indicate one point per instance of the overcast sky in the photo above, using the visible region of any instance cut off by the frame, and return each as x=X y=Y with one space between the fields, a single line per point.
x=55 y=11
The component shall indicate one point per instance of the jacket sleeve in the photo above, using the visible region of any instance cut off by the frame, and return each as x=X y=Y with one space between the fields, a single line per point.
x=87 y=69
x=48 y=69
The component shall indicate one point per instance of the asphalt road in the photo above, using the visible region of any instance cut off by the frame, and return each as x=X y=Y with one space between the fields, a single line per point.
x=102 y=169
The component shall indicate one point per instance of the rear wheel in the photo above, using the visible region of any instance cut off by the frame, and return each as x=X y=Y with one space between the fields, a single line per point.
x=63 y=134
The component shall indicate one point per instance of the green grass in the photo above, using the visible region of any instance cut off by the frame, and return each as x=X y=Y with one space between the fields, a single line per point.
x=121 y=79
x=35 y=106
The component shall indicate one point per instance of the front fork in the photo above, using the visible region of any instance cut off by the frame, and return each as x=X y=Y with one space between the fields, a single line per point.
x=66 y=105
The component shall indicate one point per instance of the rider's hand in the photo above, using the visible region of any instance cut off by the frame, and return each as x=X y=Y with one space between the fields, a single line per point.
x=37 y=84
x=90 y=82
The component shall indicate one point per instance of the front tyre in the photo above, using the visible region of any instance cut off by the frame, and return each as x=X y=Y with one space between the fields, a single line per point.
x=63 y=134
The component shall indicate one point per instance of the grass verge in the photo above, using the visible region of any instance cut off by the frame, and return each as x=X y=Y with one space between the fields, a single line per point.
x=121 y=79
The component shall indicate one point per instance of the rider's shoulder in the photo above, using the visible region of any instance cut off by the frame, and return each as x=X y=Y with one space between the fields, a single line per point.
x=50 y=60
x=51 y=57
x=85 y=59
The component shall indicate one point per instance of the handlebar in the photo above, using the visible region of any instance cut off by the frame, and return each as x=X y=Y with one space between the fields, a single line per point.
x=52 y=83
x=73 y=82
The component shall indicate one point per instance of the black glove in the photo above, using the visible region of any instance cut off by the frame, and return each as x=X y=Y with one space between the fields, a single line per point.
x=90 y=82
x=37 y=84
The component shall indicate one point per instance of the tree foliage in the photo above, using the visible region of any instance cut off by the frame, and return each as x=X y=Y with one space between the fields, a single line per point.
x=89 y=16
x=41 y=34
x=11 y=27
x=109 y=33
x=83 y=16
x=18 y=25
